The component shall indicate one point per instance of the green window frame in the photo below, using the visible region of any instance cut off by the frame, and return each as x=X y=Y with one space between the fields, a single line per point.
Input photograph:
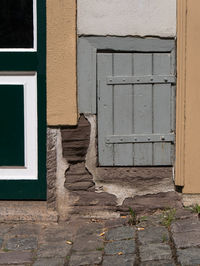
x=30 y=61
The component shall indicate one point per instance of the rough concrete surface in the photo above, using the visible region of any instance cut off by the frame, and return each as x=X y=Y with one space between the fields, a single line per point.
x=133 y=17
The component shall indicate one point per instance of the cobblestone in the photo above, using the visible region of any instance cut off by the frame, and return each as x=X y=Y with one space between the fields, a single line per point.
x=158 y=263
x=53 y=250
x=123 y=246
x=89 y=243
x=189 y=256
x=182 y=240
x=15 y=257
x=91 y=258
x=1 y=242
x=126 y=260
x=83 y=242
x=152 y=234
x=49 y=262
x=120 y=233
x=26 y=229
x=186 y=233
x=155 y=252
x=21 y=243
x=186 y=225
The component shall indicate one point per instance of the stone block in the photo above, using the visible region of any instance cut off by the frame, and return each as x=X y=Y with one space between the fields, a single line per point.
x=1 y=242
x=25 y=229
x=49 y=262
x=56 y=233
x=15 y=257
x=185 y=214
x=95 y=199
x=158 y=263
x=53 y=250
x=186 y=239
x=19 y=243
x=189 y=256
x=153 y=234
x=124 y=246
x=75 y=141
x=92 y=258
x=87 y=243
x=120 y=233
x=89 y=229
x=153 y=252
x=51 y=166
x=186 y=225
x=119 y=260
x=79 y=185
x=116 y=222
x=151 y=202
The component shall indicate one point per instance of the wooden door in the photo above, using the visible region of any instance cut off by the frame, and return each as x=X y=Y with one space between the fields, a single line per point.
x=136 y=100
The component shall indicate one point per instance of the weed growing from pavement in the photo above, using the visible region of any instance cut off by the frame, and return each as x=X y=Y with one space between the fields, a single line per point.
x=168 y=217
x=100 y=249
x=196 y=209
x=164 y=238
x=143 y=219
x=132 y=219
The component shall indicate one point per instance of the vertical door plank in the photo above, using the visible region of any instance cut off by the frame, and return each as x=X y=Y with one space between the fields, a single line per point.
x=105 y=110
x=122 y=100
x=162 y=109
x=142 y=65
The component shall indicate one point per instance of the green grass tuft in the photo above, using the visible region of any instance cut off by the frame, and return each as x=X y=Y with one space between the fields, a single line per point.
x=132 y=217
x=168 y=217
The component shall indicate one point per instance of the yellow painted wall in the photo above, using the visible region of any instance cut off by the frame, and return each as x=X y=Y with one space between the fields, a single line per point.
x=61 y=62
x=188 y=97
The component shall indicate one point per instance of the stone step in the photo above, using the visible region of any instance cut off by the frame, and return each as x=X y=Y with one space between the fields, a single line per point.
x=152 y=202
x=26 y=211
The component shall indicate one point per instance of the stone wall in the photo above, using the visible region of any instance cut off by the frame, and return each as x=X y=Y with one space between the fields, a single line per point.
x=51 y=167
x=108 y=192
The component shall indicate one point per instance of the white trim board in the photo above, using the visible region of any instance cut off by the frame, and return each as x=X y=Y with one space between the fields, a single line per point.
x=30 y=171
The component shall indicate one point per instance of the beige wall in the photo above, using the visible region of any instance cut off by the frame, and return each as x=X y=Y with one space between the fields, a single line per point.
x=188 y=128
x=192 y=111
x=61 y=62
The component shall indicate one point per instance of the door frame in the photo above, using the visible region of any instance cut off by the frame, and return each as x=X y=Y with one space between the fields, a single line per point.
x=181 y=93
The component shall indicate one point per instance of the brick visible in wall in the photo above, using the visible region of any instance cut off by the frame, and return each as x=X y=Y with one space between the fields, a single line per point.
x=75 y=141
x=78 y=178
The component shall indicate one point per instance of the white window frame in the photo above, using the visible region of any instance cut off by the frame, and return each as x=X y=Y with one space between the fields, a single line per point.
x=30 y=170
x=34 y=49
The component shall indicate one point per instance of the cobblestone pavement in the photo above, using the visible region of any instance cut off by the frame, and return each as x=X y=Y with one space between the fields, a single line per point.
x=165 y=238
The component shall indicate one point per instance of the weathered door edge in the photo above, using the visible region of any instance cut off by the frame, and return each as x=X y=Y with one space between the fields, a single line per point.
x=181 y=93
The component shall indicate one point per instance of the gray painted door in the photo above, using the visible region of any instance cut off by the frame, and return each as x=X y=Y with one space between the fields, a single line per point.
x=136 y=103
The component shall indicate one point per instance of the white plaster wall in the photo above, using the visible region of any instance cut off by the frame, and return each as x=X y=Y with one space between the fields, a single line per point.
x=127 y=17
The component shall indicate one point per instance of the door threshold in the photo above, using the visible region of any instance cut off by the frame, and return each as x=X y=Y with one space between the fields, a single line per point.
x=35 y=211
